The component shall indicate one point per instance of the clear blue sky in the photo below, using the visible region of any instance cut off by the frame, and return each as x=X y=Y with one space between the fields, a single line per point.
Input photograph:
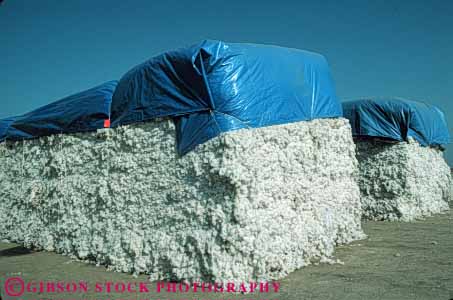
x=52 y=48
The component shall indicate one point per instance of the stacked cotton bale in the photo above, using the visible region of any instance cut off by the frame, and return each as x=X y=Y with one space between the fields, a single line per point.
x=403 y=174
x=250 y=202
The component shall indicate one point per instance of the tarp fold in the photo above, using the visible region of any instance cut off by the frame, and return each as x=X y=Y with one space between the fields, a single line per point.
x=215 y=87
x=397 y=119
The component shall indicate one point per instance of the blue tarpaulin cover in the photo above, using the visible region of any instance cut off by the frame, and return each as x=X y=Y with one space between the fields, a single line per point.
x=214 y=87
x=81 y=112
x=397 y=119
x=4 y=125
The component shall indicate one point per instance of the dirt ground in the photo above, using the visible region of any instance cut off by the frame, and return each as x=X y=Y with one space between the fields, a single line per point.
x=397 y=261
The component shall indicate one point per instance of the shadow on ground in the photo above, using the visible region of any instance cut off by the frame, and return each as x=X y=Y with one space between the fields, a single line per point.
x=14 y=251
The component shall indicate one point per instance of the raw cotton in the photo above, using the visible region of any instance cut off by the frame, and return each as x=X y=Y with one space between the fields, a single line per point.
x=451 y=188
x=252 y=204
x=402 y=181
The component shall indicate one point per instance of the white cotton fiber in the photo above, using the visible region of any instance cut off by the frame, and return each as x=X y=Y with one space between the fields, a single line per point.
x=250 y=204
x=402 y=181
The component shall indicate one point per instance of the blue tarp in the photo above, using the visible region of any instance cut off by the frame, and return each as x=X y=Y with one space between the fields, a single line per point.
x=4 y=125
x=214 y=87
x=81 y=112
x=397 y=119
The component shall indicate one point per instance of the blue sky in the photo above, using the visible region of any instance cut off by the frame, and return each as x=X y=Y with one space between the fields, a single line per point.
x=50 y=49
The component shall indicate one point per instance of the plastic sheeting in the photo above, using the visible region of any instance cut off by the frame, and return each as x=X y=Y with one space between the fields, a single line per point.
x=397 y=119
x=214 y=87
x=4 y=125
x=81 y=112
